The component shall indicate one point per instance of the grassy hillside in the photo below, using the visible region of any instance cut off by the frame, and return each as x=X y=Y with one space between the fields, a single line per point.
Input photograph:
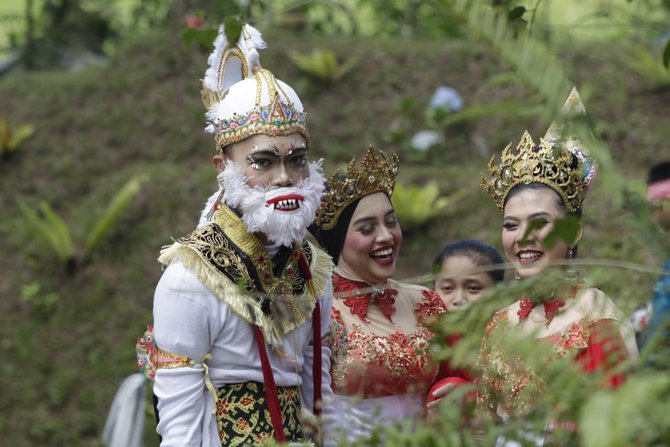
x=67 y=339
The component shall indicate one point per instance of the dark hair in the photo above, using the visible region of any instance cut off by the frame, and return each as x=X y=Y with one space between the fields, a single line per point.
x=479 y=252
x=332 y=240
x=659 y=171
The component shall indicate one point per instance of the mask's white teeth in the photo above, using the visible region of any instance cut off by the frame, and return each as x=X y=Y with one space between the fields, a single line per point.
x=529 y=255
x=286 y=204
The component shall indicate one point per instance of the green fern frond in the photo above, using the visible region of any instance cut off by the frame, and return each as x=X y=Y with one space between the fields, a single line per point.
x=51 y=228
x=112 y=213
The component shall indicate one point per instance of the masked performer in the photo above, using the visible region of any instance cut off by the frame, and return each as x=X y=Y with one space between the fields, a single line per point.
x=243 y=304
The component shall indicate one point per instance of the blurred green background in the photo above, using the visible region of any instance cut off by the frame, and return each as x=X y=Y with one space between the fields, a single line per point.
x=104 y=159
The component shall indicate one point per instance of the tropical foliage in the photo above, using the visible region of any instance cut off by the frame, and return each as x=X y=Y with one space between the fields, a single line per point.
x=53 y=230
x=97 y=127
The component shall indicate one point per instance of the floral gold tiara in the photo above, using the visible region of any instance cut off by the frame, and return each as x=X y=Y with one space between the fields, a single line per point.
x=377 y=173
x=546 y=163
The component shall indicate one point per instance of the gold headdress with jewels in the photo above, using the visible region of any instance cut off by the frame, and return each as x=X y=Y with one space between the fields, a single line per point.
x=242 y=98
x=558 y=161
x=377 y=173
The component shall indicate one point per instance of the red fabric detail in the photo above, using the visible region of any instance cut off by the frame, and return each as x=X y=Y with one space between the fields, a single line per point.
x=440 y=383
x=446 y=370
x=358 y=302
x=431 y=304
x=605 y=351
x=304 y=266
x=551 y=307
x=316 y=365
x=270 y=388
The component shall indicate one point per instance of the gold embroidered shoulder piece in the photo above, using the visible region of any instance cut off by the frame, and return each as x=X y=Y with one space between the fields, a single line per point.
x=235 y=266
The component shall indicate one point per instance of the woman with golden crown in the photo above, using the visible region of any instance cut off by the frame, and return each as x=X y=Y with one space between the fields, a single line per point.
x=380 y=369
x=240 y=311
x=535 y=187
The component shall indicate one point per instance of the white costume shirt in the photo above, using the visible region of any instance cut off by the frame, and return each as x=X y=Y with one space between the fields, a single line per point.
x=189 y=320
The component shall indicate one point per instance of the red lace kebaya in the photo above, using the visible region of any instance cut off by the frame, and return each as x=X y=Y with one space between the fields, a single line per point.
x=358 y=301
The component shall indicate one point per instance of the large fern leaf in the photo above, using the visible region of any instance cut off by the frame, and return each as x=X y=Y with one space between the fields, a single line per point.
x=50 y=228
x=112 y=214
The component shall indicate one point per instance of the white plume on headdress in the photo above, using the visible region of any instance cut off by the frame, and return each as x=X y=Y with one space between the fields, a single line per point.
x=225 y=66
x=572 y=107
x=249 y=42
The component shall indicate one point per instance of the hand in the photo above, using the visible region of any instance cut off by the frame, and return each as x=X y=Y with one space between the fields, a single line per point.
x=436 y=397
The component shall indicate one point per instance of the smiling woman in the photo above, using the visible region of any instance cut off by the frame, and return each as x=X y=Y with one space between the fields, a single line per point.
x=380 y=370
x=536 y=187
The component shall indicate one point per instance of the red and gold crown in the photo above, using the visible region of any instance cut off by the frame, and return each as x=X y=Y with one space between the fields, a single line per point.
x=546 y=163
x=377 y=173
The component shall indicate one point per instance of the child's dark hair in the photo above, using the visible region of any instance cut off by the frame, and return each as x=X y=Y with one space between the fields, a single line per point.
x=481 y=254
x=659 y=171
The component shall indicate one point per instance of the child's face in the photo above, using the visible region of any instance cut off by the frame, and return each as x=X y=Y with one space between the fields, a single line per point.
x=457 y=286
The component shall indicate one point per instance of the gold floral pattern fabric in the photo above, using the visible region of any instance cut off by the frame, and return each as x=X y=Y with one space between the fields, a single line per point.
x=243 y=417
x=371 y=364
x=507 y=383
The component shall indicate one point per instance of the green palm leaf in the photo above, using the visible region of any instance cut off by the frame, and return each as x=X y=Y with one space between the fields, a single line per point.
x=113 y=213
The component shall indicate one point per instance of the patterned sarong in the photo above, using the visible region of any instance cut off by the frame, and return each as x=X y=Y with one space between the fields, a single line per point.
x=243 y=418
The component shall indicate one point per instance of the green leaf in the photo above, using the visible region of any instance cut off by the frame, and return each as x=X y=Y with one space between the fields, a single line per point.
x=322 y=64
x=232 y=29
x=666 y=54
x=61 y=245
x=202 y=37
x=112 y=214
x=534 y=225
x=415 y=205
x=566 y=230
x=61 y=231
x=21 y=135
x=516 y=13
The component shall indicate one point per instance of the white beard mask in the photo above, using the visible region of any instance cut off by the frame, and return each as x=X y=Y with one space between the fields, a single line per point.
x=282 y=214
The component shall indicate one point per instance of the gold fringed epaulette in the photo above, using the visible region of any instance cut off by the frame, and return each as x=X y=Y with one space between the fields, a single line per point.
x=275 y=313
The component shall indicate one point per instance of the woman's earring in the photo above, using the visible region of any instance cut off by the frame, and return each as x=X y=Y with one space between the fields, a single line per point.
x=570 y=271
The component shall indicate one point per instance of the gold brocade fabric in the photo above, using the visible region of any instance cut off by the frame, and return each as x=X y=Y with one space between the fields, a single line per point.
x=508 y=384
x=373 y=356
x=243 y=417
x=234 y=265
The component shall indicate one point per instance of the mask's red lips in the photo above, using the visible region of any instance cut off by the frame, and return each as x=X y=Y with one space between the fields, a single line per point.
x=289 y=202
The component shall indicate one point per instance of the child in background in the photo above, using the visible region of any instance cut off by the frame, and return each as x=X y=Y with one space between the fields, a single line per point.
x=455 y=280
x=458 y=285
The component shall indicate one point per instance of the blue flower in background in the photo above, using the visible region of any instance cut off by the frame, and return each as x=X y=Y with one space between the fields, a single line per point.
x=446 y=98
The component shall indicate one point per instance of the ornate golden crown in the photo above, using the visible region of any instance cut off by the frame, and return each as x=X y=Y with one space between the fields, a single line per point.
x=377 y=173
x=547 y=163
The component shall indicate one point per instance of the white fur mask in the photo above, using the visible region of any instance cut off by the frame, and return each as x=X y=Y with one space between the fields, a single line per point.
x=280 y=227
